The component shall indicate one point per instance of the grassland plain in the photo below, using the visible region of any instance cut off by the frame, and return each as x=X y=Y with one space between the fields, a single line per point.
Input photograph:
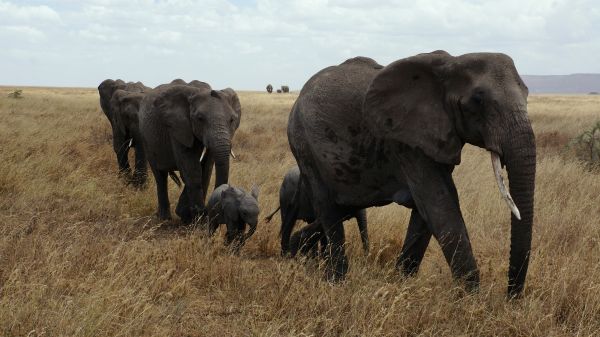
x=82 y=255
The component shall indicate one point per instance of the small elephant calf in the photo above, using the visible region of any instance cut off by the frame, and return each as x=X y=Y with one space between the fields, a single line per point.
x=235 y=208
x=294 y=203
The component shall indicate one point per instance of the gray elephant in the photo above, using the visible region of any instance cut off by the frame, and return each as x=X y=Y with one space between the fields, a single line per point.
x=235 y=208
x=119 y=102
x=285 y=89
x=366 y=135
x=295 y=204
x=269 y=88
x=188 y=128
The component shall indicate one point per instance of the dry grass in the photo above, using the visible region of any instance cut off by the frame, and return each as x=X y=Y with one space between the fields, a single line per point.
x=82 y=255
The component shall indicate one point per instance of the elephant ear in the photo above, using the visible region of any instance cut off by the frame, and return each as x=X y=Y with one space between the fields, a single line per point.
x=106 y=89
x=405 y=102
x=173 y=104
x=230 y=203
x=255 y=191
x=234 y=101
x=116 y=103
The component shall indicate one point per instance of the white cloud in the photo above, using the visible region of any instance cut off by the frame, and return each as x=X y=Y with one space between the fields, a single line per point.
x=10 y=12
x=245 y=43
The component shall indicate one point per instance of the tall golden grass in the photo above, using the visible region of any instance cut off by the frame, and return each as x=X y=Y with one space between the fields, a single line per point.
x=81 y=254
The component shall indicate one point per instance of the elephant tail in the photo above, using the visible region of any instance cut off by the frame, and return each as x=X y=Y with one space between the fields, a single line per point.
x=270 y=216
x=175 y=178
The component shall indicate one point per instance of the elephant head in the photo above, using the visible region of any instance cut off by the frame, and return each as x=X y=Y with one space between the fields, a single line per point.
x=239 y=209
x=125 y=106
x=198 y=115
x=106 y=89
x=436 y=102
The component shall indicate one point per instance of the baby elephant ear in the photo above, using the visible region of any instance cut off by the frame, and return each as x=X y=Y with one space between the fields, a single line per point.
x=255 y=191
x=405 y=102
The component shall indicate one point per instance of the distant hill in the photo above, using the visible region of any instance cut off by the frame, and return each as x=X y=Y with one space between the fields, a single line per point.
x=563 y=84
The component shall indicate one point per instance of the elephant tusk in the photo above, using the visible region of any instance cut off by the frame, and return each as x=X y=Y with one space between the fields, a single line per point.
x=233 y=154
x=130 y=143
x=203 y=154
x=500 y=180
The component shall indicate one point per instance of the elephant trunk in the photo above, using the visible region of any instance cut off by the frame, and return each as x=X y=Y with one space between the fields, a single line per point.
x=250 y=232
x=220 y=152
x=520 y=159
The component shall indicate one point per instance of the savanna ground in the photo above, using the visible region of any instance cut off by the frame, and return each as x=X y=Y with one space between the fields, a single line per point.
x=81 y=254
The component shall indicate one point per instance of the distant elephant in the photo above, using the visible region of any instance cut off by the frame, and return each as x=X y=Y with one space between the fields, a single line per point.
x=269 y=88
x=188 y=128
x=279 y=91
x=121 y=112
x=235 y=208
x=295 y=204
x=285 y=88
x=366 y=135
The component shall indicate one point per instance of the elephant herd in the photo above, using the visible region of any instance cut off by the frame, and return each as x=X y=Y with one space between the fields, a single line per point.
x=284 y=89
x=363 y=135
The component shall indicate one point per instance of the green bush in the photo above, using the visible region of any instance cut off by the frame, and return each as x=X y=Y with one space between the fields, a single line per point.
x=587 y=145
x=16 y=94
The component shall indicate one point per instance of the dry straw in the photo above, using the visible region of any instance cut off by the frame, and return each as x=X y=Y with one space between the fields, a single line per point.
x=82 y=255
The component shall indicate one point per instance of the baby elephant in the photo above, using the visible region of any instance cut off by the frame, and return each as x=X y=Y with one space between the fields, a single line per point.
x=295 y=205
x=235 y=208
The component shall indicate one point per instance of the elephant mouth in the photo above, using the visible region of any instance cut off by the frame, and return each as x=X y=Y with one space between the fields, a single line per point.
x=203 y=155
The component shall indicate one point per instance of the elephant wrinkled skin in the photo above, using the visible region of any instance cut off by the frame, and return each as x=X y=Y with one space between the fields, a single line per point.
x=366 y=135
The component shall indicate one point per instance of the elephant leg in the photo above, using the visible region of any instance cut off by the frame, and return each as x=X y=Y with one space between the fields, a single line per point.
x=188 y=163
x=361 y=221
x=332 y=220
x=121 y=148
x=183 y=207
x=323 y=246
x=140 y=174
x=415 y=244
x=164 y=212
x=289 y=214
x=306 y=240
x=435 y=196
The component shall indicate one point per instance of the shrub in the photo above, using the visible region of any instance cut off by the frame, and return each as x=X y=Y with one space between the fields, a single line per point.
x=587 y=145
x=16 y=94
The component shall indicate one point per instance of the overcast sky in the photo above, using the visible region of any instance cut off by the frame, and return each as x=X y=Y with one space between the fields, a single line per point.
x=246 y=44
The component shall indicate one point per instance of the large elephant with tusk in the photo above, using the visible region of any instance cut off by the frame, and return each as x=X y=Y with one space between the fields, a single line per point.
x=120 y=103
x=188 y=127
x=366 y=135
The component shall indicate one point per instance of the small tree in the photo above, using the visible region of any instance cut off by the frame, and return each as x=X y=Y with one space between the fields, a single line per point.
x=587 y=145
x=16 y=94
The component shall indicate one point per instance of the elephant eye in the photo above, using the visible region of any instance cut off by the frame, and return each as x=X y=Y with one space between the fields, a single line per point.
x=231 y=120
x=477 y=98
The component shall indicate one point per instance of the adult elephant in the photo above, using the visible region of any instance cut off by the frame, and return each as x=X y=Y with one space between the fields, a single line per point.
x=269 y=88
x=188 y=127
x=285 y=89
x=366 y=135
x=121 y=112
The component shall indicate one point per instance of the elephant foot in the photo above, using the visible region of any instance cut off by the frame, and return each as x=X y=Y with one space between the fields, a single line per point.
x=336 y=269
x=471 y=282
x=138 y=181
x=164 y=215
x=407 y=266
